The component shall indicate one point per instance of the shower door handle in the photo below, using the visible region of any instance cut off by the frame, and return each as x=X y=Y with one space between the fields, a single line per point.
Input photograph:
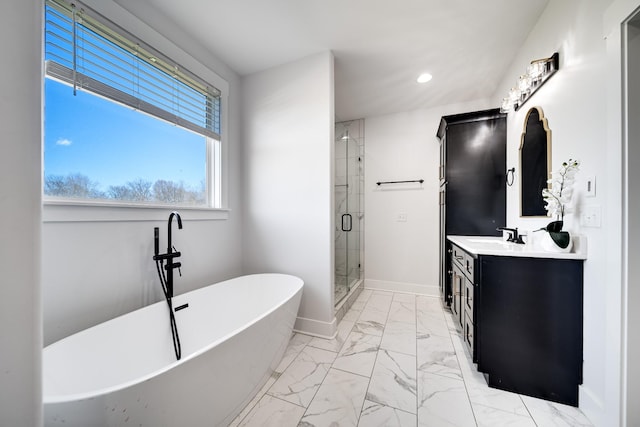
x=348 y=221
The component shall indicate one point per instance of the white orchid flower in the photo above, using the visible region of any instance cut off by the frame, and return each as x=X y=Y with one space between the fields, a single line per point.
x=558 y=197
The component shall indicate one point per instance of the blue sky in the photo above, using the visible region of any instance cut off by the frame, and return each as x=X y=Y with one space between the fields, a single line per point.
x=113 y=144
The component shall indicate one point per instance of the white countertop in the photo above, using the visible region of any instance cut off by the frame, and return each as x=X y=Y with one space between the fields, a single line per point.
x=488 y=245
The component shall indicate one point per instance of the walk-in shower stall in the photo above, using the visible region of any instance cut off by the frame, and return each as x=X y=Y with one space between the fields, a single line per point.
x=349 y=205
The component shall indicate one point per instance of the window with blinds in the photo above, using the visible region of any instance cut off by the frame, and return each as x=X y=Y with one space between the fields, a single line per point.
x=123 y=122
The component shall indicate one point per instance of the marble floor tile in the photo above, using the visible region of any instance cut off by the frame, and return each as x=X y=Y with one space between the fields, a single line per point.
x=273 y=412
x=504 y=401
x=338 y=402
x=494 y=407
x=430 y=318
x=358 y=305
x=473 y=379
x=335 y=344
x=351 y=316
x=369 y=327
x=429 y=303
x=553 y=414
x=353 y=313
x=272 y=379
x=393 y=382
x=403 y=311
x=379 y=301
x=296 y=344
x=364 y=295
x=400 y=297
x=377 y=415
x=443 y=401
x=379 y=311
x=371 y=321
x=432 y=324
x=399 y=337
x=300 y=381
x=451 y=322
x=382 y=369
x=487 y=416
x=358 y=355
x=437 y=356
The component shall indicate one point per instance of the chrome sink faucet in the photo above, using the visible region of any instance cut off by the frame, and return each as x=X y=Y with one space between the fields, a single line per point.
x=514 y=237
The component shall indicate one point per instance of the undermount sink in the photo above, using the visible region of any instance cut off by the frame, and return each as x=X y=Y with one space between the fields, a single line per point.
x=495 y=242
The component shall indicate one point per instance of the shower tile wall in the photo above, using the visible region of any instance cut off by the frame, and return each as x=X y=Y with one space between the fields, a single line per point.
x=349 y=198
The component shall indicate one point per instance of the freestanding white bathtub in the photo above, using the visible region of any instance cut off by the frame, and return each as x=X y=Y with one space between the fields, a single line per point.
x=124 y=372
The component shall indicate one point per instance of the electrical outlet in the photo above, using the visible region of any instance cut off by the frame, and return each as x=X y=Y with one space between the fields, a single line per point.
x=590 y=186
x=401 y=217
x=591 y=216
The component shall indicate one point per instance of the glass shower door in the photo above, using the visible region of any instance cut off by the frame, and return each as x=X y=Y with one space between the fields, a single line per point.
x=348 y=193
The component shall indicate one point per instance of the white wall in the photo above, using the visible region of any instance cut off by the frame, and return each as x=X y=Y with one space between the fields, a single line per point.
x=403 y=255
x=20 y=183
x=574 y=102
x=633 y=239
x=288 y=157
x=94 y=271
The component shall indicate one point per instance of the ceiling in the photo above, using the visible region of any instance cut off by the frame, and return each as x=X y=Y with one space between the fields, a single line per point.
x=380 y=46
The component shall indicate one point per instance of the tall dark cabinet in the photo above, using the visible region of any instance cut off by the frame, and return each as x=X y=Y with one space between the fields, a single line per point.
x=473 y=157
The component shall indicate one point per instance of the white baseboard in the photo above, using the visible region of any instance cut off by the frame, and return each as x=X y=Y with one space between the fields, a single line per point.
x=316 y=328
x=411 y=288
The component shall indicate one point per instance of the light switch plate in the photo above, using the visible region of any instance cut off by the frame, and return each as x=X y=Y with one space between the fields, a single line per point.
x=590 y=186
x=591 y=216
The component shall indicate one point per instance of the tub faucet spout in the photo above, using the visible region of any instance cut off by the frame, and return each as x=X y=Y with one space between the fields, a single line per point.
x=171 y=253
x=171 y=216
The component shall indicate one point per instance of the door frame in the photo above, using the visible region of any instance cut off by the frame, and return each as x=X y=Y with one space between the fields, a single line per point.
x=625 y=346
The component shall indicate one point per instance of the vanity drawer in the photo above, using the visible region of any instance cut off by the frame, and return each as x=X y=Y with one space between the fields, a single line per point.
x=457 y=300
x=458 y=256
x=468 y=266
x=468 y=332
x=467 y=297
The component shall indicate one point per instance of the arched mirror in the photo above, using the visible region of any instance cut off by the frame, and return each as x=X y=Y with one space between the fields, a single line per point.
x=535 y=163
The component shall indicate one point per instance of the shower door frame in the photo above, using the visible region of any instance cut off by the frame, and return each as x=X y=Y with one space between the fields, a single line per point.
x=349 y=217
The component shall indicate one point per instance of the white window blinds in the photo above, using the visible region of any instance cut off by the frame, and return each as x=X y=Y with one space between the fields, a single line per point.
x=89 y=52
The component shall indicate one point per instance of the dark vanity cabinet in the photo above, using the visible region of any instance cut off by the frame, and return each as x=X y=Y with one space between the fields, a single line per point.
x=472 y=180
x=521 y=319
x=529 y=317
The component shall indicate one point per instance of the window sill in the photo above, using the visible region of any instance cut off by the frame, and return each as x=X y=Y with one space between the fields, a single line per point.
x=73 y=211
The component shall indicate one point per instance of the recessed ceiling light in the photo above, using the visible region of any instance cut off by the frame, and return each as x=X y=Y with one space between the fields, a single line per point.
x=425 y=77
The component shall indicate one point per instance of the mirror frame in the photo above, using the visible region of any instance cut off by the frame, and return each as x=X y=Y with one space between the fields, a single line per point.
x=547 y=131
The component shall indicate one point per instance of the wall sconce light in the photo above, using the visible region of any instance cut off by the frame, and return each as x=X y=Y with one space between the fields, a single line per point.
x=538 y=72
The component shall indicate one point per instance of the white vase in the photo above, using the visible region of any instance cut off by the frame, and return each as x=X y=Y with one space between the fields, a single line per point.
x=548 y=244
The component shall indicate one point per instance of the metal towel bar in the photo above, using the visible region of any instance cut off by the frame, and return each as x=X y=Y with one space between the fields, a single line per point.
x=399 y=182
